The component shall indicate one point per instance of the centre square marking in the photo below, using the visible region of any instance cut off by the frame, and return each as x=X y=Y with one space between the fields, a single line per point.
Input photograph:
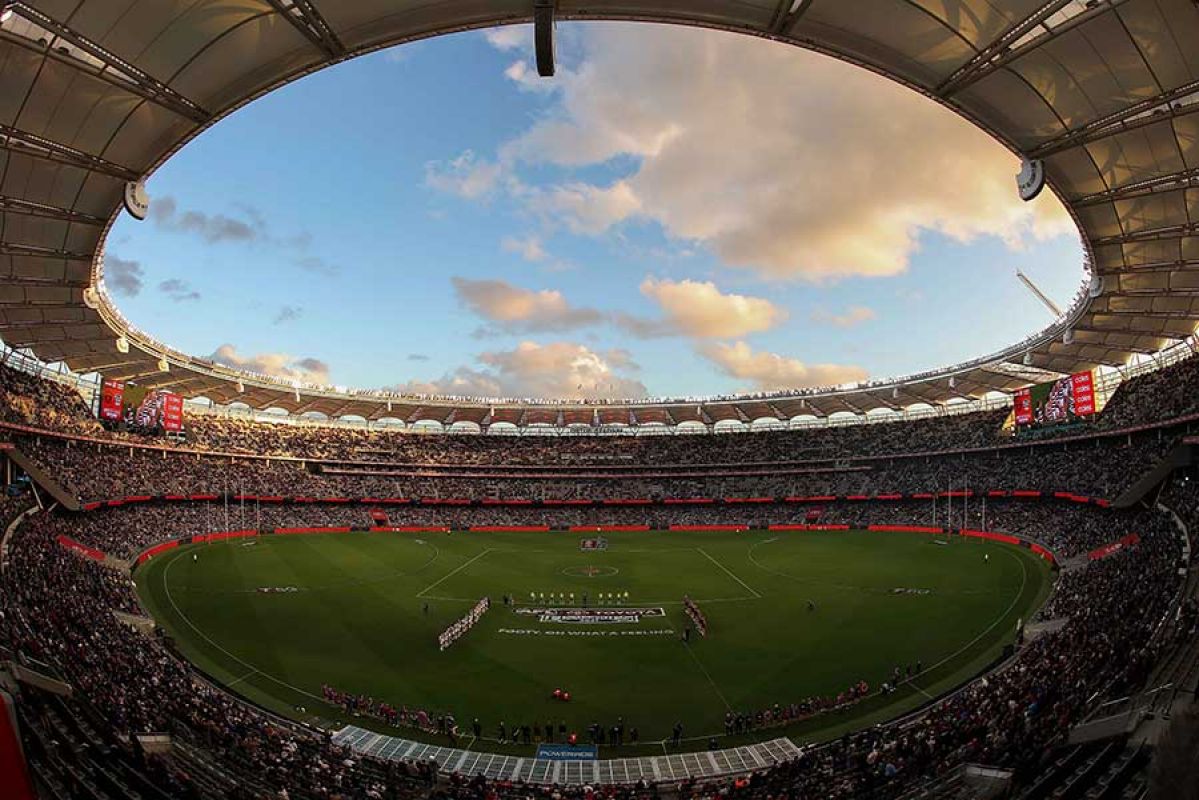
x=591 y=616
x=590 y=572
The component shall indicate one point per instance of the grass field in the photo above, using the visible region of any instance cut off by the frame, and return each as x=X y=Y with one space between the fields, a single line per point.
x=357 y=620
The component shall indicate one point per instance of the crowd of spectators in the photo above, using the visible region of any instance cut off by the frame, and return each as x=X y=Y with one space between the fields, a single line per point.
x=43 y=403
x=1068 y=529
x=1098 y=468
x=55 y=606
x=1111 y=609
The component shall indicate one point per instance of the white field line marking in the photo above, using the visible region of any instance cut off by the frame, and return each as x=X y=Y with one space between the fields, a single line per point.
x=729 y=572
x=452 y=573
x=707 y=675
x=249 y=674
x=167 y=588
x=989 y=628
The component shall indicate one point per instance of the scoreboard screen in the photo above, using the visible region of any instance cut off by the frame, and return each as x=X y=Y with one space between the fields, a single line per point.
x=1067 y=399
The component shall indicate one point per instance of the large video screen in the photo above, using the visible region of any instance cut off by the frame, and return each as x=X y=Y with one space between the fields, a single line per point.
x=1067 y=399
x=140 y=409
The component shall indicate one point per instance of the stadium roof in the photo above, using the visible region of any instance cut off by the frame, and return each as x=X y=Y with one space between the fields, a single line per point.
x=96 y=93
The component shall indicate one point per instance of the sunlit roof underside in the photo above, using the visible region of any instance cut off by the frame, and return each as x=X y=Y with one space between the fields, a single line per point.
x=94 y=93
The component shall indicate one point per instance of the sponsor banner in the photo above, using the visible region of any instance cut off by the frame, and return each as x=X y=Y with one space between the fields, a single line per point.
x=1067 y=399
x=606 y=528
x=112 y=394
x=155 y=550
x=905 y=528
x=690 y=501
x=220 y=536
x=749 y=499
x=1043 y=553
x=81 y=549
x=801 y=527
x=340 y=529
x=729 y=528
x=172 y=412
x=1113 y=547
x=567 y=752
x=995 y=537
x=572 y=615
x=410 y=529
x=509 y=528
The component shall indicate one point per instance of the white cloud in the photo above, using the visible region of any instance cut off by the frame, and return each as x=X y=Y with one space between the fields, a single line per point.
x=529 y=247
x=514 y=308
x=510 y=37
x=563 y=369
x=784 y=162
x=582 y=207
x=276 y=365
x=769 y=371
x=465 y=176
x=699 y=309
x=555 y=370
x=849 y=318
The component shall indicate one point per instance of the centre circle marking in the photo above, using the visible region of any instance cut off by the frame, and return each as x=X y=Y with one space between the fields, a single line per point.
x=590 y=572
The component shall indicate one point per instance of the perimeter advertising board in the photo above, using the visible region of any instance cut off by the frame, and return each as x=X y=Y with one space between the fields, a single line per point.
x=1067 y=399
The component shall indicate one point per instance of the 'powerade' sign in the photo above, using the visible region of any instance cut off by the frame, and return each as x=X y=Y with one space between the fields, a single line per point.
x=566 y=752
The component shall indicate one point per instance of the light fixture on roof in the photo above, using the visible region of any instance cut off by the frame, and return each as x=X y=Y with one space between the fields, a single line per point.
x=1068 y=336
x=163 y=366
x=6 y=13
x=122 y=344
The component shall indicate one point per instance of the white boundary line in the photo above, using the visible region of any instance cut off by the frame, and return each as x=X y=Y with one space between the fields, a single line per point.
x=729 y=572
x=452 y=573
x=167 y=588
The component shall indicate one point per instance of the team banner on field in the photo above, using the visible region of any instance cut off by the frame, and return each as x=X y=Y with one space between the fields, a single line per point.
x=590 y=616
x=1065 y=400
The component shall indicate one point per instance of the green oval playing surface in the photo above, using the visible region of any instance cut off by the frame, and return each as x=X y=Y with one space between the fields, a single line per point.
x=352 y=614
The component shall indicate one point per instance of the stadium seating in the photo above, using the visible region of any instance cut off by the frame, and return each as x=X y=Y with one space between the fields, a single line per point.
x=1129 y=619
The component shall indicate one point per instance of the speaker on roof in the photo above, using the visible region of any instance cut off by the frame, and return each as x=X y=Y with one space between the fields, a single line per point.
x=1031 y=178
x=543 y=36
x=1068 y=336
x=163 y=366
x=122 y=344
x=137 y=202
x=1096 y=287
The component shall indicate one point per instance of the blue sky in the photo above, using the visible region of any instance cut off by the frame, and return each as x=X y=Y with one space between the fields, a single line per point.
x=679 y=212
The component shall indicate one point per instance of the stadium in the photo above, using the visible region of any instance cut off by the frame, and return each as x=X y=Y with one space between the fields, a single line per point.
x=972 y=581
